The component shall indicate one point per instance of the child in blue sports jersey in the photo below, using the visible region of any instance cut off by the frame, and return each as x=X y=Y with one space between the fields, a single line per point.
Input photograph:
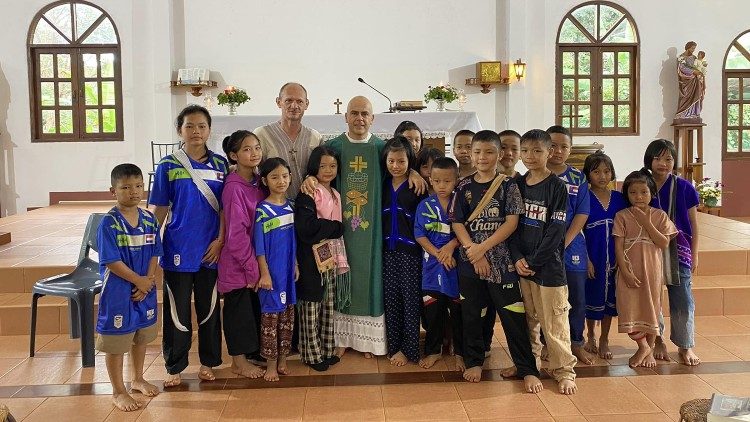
x=275 y=247
x=432 y=230
x=129 y=245
x=188 y=185
x=576 y=256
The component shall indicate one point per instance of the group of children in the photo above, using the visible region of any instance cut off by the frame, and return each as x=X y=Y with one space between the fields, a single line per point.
x=538 y=250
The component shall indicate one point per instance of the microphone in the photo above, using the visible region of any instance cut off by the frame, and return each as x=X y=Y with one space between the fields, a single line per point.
x=390 y=108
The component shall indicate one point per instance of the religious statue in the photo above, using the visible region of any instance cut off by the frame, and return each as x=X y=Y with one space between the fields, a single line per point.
x=692 y=85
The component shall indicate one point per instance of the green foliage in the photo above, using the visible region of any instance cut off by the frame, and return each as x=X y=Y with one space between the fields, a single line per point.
x=236 y=96
x=441 y=92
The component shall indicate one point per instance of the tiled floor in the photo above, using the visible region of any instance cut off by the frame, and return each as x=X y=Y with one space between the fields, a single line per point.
x=54 y=386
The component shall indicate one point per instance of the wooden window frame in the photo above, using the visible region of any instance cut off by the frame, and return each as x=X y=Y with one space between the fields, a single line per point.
x=76 y=49
x=596 y=100
x=725 y=102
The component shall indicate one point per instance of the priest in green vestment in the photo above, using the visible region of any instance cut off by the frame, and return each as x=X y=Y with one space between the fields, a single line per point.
x=359 y=321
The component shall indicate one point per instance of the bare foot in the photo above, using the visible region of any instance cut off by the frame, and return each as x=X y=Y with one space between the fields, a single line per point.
x=590 y=346
x=368 y=355
x=399 y=359
x=660 y=350
x=173 y=380
x=649 y=361
x=206 y=374
x=544 y=354
x=340 y=351
x=532 y=384
x=145 y=387
x=604 y=351
x=430 y=360
x=281 y=366
x=473 y=374
x=639 y=356
x=582 y=355
x=271 y=374
x=688 y=357
x=567 y=387
x=242 y=367
x=125 y=402
x=460 y=365
x=509 y=372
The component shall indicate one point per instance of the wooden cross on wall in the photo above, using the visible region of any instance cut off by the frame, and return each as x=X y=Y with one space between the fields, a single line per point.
x=337 y=103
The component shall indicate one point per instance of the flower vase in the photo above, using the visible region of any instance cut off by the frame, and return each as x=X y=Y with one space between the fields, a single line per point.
x=232 y=109
x=711 y=202
x=440 y=105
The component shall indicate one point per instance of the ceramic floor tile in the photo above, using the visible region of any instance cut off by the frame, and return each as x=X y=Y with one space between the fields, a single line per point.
x=707 y=350
x=353 y=363
x=670 y=391
x=643 y=417
x=185 y=406
x=422 y=402
x=718 y=326
x=76 y=408
x=600 y=396
x=7 y=364
x=731 y=384
x=99 y=372
x=490 y=399
x=741 y=319
x=21 y=408
x=558 y=405
x=344 y=403
x=738 y=345
x=263 y=404
x=51 y=370
x=385 y=367
x=570 y=419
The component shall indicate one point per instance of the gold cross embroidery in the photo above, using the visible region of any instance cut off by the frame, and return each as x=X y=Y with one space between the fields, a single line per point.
x=358 y=164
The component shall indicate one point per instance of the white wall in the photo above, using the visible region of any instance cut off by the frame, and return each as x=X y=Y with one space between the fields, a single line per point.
x=662 y=25
x=400 y=47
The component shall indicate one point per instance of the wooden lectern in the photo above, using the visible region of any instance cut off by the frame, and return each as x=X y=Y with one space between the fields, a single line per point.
x=688 y=140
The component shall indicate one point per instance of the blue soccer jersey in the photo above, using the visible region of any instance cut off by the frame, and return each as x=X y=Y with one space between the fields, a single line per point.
x=134 y=246
x=576 y=257
x=193 y=224
x=274 y=239
x=432 y=223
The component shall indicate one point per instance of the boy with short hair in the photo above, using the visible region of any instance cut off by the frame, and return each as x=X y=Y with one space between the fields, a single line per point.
x=129 y=247
x=576 y=255
x=506 y=164
x=537 y=248
x=433 y=232
x=462 y=152
x=510 y=147
x=485 y=212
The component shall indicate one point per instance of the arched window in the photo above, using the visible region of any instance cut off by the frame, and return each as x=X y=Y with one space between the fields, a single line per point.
x=75 y=78
x=597 y=71
x=736 y=136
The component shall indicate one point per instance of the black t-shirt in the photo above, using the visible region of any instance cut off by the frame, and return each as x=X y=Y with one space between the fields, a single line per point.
x=506 y=201
x=540 y=236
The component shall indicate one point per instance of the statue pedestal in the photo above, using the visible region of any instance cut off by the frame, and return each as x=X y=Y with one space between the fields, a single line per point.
x=688 y=140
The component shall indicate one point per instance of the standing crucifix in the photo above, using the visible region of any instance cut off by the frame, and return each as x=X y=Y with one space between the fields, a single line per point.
x=337 y=103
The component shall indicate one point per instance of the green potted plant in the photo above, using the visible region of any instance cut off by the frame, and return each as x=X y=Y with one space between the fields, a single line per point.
x=442 y=93
x=232 y=97
x=709 y=191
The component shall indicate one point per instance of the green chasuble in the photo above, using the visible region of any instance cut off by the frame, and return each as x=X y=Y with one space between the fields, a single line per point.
x=360 y=183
